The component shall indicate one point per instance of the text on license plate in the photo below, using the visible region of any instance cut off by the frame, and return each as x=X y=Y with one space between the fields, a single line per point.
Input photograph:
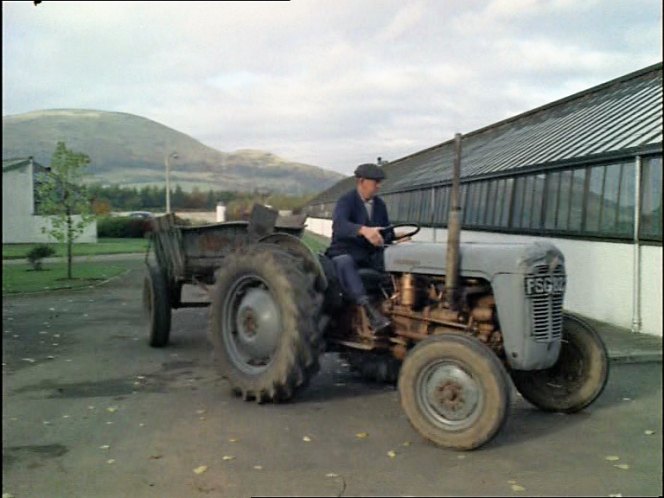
x=545 y=285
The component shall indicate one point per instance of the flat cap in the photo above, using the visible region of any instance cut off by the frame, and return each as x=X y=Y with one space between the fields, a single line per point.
x=370 y=171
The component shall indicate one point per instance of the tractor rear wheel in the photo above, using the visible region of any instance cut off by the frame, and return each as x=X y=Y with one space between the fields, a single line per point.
x=576 y=379
x=264 y=318
x=157 y=306
x=455 y=391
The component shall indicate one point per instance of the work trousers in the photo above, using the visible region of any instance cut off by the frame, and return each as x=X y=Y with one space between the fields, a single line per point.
x=349 y=277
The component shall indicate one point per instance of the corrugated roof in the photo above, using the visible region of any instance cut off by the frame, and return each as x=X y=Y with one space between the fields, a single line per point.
x=618 y=116
x=21 y=162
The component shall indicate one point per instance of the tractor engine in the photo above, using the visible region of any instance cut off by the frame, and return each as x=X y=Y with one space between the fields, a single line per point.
x=419 y=308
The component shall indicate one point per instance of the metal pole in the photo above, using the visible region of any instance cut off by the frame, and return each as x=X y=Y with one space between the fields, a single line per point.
x=168 y=186
x=636 y=290
x=174 y=155
x=453 y=231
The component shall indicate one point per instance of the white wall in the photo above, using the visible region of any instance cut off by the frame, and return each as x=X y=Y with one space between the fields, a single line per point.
x=19 y=224
x=600 y=274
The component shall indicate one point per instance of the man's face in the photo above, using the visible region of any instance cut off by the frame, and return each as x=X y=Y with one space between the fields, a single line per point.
x=368 y=188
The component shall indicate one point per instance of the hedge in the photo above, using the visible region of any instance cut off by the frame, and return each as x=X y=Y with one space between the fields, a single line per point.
x=122 y=227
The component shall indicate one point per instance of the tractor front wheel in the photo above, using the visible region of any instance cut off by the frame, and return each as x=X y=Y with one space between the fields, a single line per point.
x=454 y=391
x=576 y=379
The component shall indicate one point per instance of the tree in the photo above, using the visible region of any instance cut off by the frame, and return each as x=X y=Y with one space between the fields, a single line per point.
x=62 y=196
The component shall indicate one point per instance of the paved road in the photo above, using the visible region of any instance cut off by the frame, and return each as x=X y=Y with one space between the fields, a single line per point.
x=107 y=416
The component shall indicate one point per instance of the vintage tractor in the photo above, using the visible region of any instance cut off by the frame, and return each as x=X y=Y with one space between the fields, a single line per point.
x=465 y=318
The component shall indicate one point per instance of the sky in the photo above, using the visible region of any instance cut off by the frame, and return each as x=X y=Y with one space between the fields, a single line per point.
x=333 y=83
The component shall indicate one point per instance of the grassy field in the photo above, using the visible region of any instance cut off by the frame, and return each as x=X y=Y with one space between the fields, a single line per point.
x=315 y=242
x=21 y=278
x=103 y=246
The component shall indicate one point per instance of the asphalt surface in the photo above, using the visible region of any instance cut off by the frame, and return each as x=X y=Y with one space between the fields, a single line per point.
x=89 y=410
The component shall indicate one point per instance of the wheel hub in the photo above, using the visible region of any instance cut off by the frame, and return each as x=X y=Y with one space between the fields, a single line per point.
x=450 y=394
x=257 y=323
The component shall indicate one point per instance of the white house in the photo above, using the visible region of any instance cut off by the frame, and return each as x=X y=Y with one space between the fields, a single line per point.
x=20 y=224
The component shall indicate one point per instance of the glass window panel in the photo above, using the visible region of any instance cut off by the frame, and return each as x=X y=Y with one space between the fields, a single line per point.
x=493 y=203
x=610 y=199
x=576 y=204
x=651 y=193
x=626 y=205
x=564 y=200
x=507 y=202
x=538 y=199
x=482 y=203
x=465 y=198
x=442 y=198
x=528 y=202
x=518 y=201
x=462 y=200
x=552 y=189
x=594 y=199
x=500 y=201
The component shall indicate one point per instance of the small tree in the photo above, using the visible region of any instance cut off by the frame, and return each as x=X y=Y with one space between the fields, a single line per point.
x=62 y=196
x=38 y=253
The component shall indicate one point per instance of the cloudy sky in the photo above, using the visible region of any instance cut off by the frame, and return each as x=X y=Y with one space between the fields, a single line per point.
x=332 y=83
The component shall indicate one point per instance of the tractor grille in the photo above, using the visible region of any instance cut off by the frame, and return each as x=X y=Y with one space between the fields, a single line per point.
x=547 y=310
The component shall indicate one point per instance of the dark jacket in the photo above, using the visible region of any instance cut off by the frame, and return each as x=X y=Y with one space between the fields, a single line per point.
x=349 y=215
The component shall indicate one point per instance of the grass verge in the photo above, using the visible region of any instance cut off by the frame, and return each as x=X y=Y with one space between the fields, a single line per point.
x=21 y=278
x=103 y=246
x=315 y=242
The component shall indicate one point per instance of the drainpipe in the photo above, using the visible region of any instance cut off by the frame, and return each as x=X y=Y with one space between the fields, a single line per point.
x=636 y=284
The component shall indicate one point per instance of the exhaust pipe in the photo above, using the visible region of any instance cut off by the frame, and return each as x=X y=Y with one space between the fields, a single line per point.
x=453 y=231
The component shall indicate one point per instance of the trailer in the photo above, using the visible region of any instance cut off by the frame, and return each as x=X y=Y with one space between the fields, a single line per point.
x=192 y=254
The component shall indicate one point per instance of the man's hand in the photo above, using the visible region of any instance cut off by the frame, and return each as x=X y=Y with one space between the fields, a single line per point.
x=372 y=234
x=398 y=240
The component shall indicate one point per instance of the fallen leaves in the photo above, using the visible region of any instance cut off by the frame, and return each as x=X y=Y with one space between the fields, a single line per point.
x=111 y=461
x=331 y=474
x=622 y=466
x=29 y=360
x=612 y=458
x=516 y=487
x=112 y=409
x=258 y=467
x=227 y=458
x=361 y=435
x=392 y=454
x=104 y=447
x=199 y=470
x=648 y=432
x=306 y=439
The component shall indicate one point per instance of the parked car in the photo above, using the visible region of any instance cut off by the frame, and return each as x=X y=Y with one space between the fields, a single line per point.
x=141 y=214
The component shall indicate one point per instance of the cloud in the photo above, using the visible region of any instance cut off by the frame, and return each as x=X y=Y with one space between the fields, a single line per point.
x=332 y=83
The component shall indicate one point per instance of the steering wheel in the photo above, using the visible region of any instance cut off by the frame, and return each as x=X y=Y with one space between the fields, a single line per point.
x=399 y=225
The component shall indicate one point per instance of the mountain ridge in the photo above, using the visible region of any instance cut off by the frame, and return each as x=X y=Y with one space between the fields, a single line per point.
x=128 y=149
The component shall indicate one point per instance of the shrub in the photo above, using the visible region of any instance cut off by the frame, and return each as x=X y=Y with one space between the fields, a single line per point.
x=123 y=227
x=37 y=253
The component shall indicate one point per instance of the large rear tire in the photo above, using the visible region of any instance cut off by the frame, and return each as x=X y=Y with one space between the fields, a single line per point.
x=264 y=324
x=157 y=306
x=454 y=391
x=578 y=377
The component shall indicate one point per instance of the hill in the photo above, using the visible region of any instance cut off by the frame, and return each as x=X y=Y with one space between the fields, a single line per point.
x=126 y=149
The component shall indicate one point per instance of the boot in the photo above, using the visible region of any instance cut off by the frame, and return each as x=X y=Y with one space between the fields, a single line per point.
x=377 y=320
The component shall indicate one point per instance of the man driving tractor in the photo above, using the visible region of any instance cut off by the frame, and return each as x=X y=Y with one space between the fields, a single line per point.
x=358 y=235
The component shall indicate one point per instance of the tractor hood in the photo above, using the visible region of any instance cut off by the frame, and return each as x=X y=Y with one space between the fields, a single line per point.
x=484 y=260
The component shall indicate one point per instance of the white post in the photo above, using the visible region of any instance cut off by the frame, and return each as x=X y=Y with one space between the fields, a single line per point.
x=168 y=180
x=636 y=290
x=221 y=212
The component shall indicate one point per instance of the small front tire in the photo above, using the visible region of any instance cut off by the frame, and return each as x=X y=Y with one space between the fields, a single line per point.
x=157 y=306
x=455 y=391
x=576 y=379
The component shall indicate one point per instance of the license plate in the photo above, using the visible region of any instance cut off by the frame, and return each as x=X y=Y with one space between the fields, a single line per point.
x=545 y=285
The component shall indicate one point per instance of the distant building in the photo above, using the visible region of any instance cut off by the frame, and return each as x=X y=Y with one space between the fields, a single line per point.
x=20 y=221
x=584 y=172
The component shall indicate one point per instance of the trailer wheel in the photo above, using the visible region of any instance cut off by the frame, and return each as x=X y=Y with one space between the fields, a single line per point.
x=454 y=391
x=374 y=367
x=264 y=318
x=576 y=379
x=157 y=306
